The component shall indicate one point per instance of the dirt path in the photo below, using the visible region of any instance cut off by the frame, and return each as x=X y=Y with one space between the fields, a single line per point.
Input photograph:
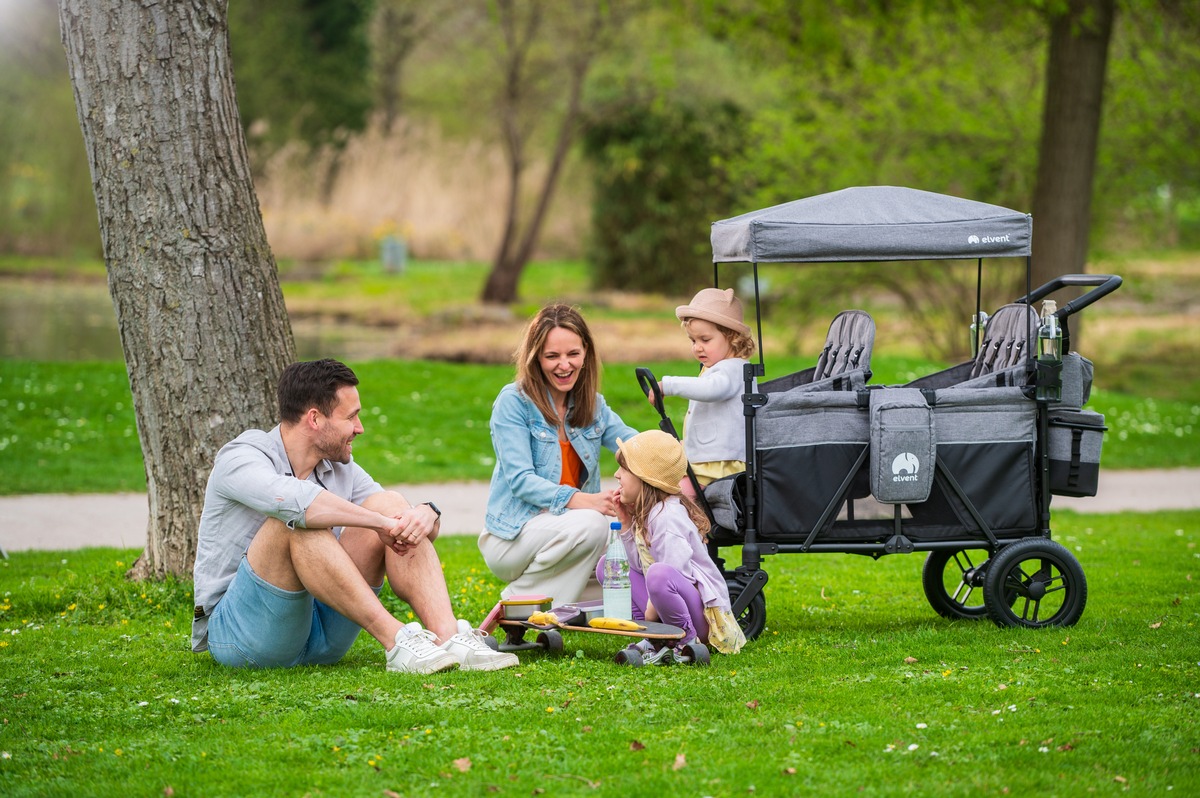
x=65 y=522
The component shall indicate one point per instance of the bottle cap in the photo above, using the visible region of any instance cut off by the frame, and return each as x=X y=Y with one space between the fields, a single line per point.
x=1049 y=306
x=615 y=525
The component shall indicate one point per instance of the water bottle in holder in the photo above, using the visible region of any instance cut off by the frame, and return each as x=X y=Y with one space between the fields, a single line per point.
x=1049 y=355
x=618 y=597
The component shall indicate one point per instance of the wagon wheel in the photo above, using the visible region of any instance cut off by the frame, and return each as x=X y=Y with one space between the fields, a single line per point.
x=953 y=582
x=1045 y=581
x=753 y=619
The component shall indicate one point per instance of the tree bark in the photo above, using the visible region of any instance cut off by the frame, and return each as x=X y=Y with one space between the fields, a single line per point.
x=201 y=316
x=1062 y=199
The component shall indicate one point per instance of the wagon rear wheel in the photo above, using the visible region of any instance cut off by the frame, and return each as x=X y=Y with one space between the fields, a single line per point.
x=953 y=582
x=1044 y=581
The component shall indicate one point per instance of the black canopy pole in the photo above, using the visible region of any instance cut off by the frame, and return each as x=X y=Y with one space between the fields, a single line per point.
x=978 y=303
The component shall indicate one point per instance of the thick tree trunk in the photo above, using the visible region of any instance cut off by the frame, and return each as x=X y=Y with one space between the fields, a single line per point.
x=1070 y=132
x=193 y=281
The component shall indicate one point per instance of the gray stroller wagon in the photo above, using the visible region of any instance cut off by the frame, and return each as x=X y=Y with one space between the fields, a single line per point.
x=960 y=464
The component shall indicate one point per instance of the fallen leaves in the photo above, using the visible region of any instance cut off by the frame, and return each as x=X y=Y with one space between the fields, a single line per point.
x=680 y=762
x=463 y=764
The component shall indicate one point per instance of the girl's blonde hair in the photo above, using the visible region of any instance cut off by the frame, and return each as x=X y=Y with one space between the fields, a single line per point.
x=740 y=344
x=531 y=380
x=650 y=497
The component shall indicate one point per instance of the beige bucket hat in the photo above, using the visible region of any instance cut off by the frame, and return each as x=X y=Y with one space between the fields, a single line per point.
x=656 y=458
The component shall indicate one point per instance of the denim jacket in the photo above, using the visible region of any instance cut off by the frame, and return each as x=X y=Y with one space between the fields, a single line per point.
x=529 y=460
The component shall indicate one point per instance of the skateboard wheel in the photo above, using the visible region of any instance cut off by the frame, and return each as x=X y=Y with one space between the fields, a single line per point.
x=696 y=654
x=491 y=642
x=629 y=656
x=551 y=641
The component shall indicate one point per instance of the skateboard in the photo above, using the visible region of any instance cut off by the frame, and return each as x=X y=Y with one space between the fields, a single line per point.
x=549 y=637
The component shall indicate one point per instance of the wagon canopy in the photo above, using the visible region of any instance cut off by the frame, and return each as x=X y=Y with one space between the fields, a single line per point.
x=873 y=223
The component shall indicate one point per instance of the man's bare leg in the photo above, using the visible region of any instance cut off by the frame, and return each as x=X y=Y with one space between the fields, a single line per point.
x=314 y=560
x=415 y=576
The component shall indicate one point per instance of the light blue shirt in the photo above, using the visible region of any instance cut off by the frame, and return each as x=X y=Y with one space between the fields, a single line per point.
x=251 y=481
x=528 y=468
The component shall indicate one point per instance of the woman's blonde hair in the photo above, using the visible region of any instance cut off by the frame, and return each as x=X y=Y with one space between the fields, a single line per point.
x=531 y=380
x=650 y=497
x=740 y=344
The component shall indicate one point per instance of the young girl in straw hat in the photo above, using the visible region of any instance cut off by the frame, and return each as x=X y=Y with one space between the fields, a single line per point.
x=672 y=577
x=714 y=431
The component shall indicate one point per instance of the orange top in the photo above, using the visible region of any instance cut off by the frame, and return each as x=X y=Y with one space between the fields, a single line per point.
x=572 y=466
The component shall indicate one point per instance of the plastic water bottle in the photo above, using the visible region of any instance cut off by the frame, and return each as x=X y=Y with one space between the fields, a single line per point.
x=978 y=330
x=618 y=597
x=1049 y=355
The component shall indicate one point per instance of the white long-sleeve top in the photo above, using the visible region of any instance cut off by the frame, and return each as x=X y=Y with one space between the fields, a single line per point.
x=715 y=425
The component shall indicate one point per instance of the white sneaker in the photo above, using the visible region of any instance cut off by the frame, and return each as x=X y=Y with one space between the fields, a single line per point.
x=416 y=652
x=472 y=654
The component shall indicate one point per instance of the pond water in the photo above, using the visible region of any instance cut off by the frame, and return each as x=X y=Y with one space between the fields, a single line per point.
x=52 y=320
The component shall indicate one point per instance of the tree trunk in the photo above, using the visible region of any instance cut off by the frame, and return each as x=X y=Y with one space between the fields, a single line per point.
x=192 y=278
x=1070 y=132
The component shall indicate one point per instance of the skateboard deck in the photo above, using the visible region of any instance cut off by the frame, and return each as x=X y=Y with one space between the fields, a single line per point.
x=549 y=639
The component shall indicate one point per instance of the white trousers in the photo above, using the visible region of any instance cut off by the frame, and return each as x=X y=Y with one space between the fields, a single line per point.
x=554 y=555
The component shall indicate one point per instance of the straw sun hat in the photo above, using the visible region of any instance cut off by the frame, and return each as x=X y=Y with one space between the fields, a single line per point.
x=719 y=307
x=656 y=458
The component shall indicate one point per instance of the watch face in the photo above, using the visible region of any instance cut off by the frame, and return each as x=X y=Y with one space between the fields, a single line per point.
x=434 y=507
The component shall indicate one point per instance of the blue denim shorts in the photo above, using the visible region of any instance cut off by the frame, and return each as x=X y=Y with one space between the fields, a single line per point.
x=258 y=625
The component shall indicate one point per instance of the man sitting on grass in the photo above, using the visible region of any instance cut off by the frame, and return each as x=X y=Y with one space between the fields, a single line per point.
x=295 y=540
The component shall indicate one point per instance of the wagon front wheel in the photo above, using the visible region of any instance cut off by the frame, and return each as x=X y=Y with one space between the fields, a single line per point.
x=752 y=619
x=953 y=582
x=1034 y=583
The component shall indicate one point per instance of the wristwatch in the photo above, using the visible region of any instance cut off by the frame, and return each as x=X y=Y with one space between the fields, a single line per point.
x=433 y=507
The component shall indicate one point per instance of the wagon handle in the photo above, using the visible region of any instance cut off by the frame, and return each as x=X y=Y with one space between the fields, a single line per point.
x=645 y=378
x=1106 y=284
x=649 y=383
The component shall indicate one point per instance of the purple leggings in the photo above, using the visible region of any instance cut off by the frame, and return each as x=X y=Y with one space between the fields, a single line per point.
x=672 y=594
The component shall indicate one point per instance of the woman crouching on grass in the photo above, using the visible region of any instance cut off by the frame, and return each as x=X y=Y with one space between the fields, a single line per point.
x=672 y=577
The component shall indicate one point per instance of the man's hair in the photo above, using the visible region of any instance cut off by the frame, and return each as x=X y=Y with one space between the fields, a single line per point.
x=532 y=380
x=312 y=383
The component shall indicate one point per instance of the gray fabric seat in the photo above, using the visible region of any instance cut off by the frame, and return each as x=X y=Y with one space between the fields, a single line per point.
x=1003 y=356
x=844 y=363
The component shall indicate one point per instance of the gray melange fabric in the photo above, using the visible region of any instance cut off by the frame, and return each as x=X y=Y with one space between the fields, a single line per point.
x=876 y=223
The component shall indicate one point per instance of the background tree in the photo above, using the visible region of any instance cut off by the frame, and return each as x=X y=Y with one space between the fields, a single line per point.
x=193 y=281
x=1071 y=113
x=546 y=51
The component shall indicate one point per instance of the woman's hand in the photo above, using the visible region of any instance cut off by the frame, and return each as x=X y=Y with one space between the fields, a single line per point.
x=604 y=502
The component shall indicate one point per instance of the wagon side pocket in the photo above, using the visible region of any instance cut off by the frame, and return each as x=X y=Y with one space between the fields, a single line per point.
x=1075 y=442
x=903 y=446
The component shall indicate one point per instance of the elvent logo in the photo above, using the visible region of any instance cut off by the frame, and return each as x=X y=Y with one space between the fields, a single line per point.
x=988 y=240
x=905 y=467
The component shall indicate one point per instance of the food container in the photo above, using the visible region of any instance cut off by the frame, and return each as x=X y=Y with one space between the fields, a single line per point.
x=590 y=609
x=519 y=608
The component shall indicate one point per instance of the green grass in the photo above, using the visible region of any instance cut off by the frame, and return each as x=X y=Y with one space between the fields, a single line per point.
x=69 y=427
x=856 y=687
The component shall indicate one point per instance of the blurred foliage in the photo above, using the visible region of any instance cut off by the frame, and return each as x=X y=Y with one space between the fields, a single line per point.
x=943 y=96
x=302 y=69
x=46 y=202
x=659 y=172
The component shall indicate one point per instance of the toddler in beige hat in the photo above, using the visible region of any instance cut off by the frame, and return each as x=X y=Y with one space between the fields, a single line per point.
x=714 y=432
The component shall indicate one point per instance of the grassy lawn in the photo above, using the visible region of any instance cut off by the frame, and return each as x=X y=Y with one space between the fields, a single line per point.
x=69 y=427
x=856 y=687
